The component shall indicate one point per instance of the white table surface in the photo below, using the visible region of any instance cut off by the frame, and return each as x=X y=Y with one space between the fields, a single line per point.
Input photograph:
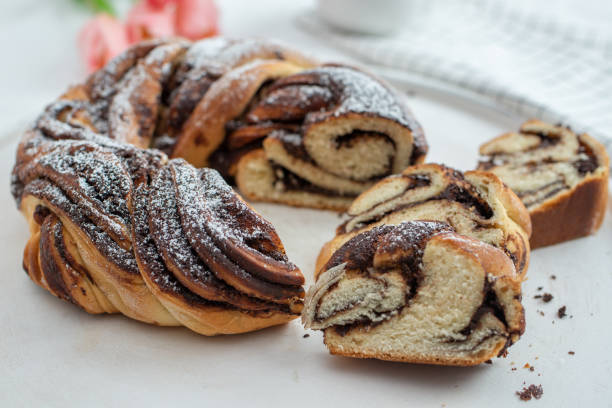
x=52 y=354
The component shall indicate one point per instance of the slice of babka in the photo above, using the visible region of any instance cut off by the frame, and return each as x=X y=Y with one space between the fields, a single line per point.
x=417 y=292
x=561 y=177
x=475 y=204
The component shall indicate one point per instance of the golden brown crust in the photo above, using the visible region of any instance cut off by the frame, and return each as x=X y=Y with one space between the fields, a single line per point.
x=575 y=213
x=460 y=362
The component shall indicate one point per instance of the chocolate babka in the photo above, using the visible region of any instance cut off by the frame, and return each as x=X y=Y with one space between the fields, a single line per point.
x=417 y=292
x=118 y=227
x=561 y=177
x=475 y=204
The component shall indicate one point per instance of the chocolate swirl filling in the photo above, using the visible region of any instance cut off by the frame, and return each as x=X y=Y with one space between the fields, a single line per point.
x=383 y=250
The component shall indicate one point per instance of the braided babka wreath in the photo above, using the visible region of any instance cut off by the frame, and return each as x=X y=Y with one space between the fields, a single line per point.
x=117 y=226
x=124 y=183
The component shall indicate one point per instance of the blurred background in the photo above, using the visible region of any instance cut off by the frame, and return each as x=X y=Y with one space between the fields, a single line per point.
x=548 y=59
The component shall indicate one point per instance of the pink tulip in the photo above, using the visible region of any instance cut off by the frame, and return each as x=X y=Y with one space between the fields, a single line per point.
x=145 y=21
x=159 y=4
x=196 y=19
x=101 y=39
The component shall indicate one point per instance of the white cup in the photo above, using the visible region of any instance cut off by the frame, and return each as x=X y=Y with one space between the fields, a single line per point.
x=365 y=16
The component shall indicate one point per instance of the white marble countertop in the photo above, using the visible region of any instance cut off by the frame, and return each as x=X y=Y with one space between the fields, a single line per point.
x=52 y=354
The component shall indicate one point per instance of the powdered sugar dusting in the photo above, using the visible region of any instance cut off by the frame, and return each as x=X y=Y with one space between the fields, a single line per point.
x=360 y=93
x=167 y=230
x=94 y=179
x=57 y=200
x=219 y=55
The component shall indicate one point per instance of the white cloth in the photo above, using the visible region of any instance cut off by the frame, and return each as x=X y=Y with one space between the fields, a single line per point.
x=535 y=64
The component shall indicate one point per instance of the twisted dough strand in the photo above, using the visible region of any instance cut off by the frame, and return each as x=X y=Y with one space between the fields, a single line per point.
x=116 y=226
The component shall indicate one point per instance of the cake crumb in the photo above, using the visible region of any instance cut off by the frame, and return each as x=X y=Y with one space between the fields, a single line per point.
x=571 y=353
x=526 y=365
x=546 y=297
x=533 y=391
x=561 y=312
x=489 y=361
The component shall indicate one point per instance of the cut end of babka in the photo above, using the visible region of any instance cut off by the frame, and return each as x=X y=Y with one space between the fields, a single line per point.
x=417 y=292
x=560 y=176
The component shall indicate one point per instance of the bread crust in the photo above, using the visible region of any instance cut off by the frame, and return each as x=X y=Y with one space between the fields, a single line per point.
x=573 y=214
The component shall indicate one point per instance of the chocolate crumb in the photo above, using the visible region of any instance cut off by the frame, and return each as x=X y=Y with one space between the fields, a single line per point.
x=541 y=313
x=571 y=353
x=531 y=368
x=561 y=312
x=547 y=297
x=513 y=368
x=306 y=336
x=489 y=361
x=540 y=287
x=533 y=391
x=553 y=277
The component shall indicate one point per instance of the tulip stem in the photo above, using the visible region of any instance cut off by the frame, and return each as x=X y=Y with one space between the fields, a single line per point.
x=99 y=6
